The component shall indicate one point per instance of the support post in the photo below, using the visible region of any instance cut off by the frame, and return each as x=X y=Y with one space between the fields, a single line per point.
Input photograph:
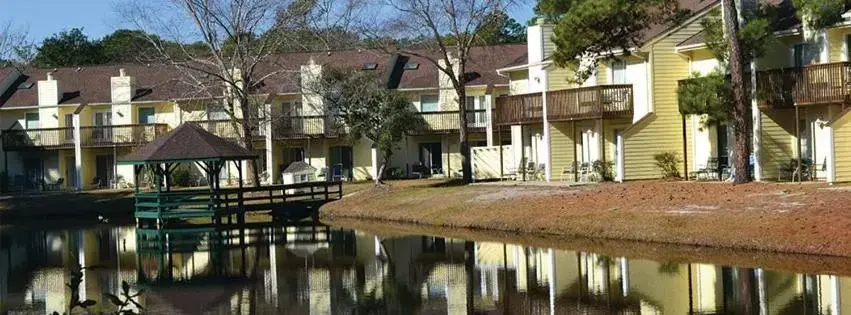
x=489 y=114
x=575 y=153
x=78 y=152
x=270 y=150
x=831 y=159
x=685 y=147
x=501 y=162
x=798 y=143
x=241 y=203
x=621 y=168
x=548 y=171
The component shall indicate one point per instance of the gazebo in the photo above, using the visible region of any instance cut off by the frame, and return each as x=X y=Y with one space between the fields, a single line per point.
x=187 y=144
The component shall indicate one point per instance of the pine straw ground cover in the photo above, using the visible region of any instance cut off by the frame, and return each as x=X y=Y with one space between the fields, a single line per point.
x=792 y=218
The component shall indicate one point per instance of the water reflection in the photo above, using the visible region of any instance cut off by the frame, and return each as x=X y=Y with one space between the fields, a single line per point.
x=321 y=270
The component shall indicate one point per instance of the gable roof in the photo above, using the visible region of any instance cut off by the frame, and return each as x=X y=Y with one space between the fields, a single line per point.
x=281 y=73
x=188 y=142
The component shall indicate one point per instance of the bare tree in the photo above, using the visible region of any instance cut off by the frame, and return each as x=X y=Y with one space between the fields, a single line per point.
x=12 y=42
x=225 y=49
x=443 y=32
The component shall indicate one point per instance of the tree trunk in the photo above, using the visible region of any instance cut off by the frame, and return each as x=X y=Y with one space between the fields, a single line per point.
x=248 y=140
x=741 y=117
x=466 y=164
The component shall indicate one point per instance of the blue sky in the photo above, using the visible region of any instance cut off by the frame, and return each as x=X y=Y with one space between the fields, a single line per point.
x=42 y=18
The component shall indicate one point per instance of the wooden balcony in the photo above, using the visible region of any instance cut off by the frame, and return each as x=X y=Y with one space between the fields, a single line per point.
x=820 y=84
x=91 y=136
x=587 y=103
x=449 y=122
x=308 y=126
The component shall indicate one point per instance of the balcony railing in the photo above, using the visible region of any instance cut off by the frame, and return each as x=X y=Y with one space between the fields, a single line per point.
x=828 y=83
x=596 y=102
x=91 y=136
x=225 y=128
x=309 y=126
x=448 y=121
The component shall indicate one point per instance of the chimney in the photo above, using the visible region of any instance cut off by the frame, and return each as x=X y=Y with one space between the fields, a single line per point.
x=539 y=41
x=310 y=101
x=121 y=87
x=49 y=92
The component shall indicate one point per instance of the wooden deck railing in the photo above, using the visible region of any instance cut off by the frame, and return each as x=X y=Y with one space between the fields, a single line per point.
x=95 y=136
x=828 y=83
x=448 y=121
x=91 y=136
x=308 y=126
x=596 y=102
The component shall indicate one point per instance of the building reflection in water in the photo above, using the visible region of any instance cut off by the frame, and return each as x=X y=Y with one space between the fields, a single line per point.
x=311 y=269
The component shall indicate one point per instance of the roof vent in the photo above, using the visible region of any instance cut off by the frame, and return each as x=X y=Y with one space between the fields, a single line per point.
x=412 y=66
x=25 y=85
x=369 y=66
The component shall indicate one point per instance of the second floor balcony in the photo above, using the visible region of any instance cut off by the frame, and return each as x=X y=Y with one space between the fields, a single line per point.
x=449 y=122
x=820 y=84
x=586 y=103
x=90 y=136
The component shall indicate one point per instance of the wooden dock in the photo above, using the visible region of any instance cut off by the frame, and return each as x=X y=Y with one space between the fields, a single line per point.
x=229 y=202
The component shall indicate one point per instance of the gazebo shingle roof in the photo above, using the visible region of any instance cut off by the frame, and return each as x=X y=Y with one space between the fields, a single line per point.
x=186 y=143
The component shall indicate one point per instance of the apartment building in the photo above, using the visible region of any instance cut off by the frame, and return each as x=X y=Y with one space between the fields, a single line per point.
x=629 y=110
x=65 y=128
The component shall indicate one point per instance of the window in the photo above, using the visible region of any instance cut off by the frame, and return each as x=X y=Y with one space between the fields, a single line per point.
x=848 y=47
x=429 y=103
x=618 y=72
x=216 y=112
x=805 y=54
x=31 y=120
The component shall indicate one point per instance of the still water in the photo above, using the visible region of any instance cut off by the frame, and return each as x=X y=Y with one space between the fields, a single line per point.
x=325 y=270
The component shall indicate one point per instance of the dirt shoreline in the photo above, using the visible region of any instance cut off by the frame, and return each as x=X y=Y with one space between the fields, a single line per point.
x=784 y=218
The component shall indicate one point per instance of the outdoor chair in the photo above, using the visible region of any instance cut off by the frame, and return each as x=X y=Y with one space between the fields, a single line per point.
x=584 y=172
x=569 y=171
x=708 y=170
x=804 y=171
x=786 y=170
x=55 y=186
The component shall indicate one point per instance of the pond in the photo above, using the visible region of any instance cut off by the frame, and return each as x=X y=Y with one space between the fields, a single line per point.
x=314 y=269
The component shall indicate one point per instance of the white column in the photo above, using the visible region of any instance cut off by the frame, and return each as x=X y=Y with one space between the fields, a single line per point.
x=78 y=153
x=625 y=276
x=375 y=166
x=548 y=171
x=489 y=114
x=831 y=160
x=270 y=150
x=756 y=128
x=620 y=162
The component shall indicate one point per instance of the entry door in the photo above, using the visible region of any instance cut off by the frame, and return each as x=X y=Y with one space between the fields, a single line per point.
x=104 y=165
x=32 y=173
x=103 y=119
x=723 y=146
x=70 y=171
x=431 y=156
x=341 y=163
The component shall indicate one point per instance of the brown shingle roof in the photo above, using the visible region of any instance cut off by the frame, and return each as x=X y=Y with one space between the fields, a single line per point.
x=91 y=84
x=186 y=143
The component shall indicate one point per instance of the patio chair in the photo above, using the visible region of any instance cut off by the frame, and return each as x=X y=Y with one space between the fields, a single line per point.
x=584 y=172
x=569 y=171
x=54 y=186
x=786 y=170
x=804 y=171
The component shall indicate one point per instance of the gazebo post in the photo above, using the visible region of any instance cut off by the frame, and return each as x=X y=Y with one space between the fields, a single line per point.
x=241 y=214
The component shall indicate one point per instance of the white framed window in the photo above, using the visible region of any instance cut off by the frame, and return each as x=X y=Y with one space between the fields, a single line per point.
x=429 y=103
x=31 y=120
x=618 y=71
